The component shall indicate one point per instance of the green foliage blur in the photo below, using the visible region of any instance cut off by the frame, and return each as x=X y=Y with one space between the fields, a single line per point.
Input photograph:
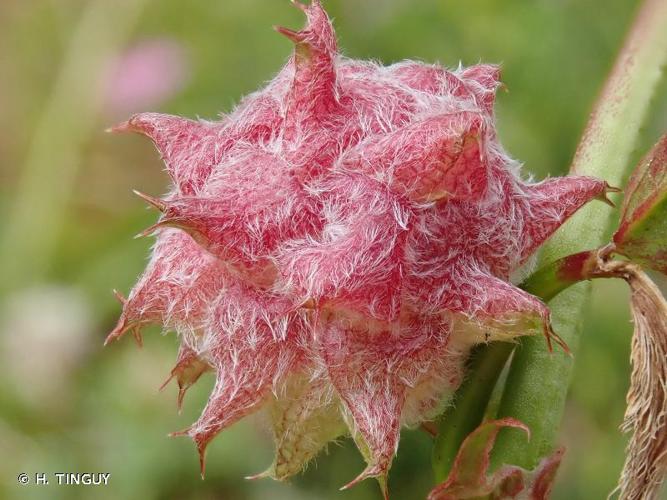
x=68 y=216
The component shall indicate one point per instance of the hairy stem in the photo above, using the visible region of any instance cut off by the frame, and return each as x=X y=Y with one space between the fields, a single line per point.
x=537 y=383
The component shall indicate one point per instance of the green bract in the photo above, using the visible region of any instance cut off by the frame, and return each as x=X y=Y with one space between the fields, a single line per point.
x=642 y=233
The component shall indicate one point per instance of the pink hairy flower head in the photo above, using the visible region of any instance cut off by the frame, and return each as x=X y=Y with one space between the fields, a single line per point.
x=333 y=248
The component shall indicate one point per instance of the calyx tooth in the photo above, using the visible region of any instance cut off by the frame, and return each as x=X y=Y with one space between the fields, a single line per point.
x=152 y=201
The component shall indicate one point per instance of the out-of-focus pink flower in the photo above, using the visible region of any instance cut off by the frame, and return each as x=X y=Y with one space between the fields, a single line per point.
x=335 y=246
x=145 y=75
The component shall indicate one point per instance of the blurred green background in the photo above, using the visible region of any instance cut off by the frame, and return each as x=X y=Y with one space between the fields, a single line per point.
x=71 y=68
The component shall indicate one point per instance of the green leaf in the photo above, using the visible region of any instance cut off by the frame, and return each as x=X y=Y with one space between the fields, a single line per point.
x=642 y=234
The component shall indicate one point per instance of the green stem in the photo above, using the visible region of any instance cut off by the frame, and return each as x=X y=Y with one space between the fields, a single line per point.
x=537 y=383
x=469 y=404
x=552 y=279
